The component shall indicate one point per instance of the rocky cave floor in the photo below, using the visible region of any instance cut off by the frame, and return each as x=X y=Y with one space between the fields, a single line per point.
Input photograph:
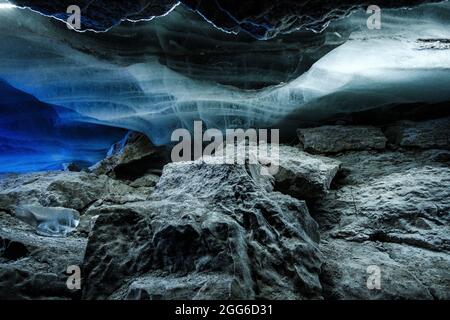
x=345 y=198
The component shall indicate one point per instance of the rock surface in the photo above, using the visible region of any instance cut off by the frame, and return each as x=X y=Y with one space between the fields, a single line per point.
x=425 y=134
x=131 y=157
x=180 y=288
x=208 y=230
x=32 y=266
x=304 y=176
x=334 y=139
x=207 y=226
x=74 y=190
x=391 y=210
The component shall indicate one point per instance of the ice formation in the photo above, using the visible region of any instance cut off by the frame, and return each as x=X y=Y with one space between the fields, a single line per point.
x=49 y=221
x=37 y=136
x=149 y=77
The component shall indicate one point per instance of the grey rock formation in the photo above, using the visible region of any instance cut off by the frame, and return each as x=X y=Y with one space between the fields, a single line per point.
x=407 y=272
x=209 y=231
x=425 y=134
x=74 y=190
x=303 y=175
x=131 y=157
x=49 y=221
x=157 y=287
x=334 y=139
x=147 y=181
x=391 y=210
x=32 y=266
x=71 y=167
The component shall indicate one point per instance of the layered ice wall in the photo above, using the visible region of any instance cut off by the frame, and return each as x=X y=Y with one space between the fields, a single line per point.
x=262 y=19
x=162 y=74
x=157 y=76
x=37 y=136
x=407 y=61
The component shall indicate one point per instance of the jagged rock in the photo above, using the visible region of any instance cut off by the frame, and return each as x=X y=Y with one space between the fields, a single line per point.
x=167 y=287
x=205 y=221
x=74 y=190
x=406 y=272
x=304 y=176
x=147 y=181
x=73 y=167
x=425 y=134
x=334 y=139
x=49 y=221
x=32 y=266
x=390 y=210
x=131 y=157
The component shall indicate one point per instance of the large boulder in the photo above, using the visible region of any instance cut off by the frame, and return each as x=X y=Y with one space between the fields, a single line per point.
x=303 y=175
x=56 y=194
x=335 y=139
x=426 y=134
x=131 y=158
x=209 y=231
x=406 y=272
x=157 y=287
x=74 y=190
x=391 y=210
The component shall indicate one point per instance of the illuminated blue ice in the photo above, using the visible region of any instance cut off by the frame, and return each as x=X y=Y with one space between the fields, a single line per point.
x=134 y=90
x=49 y=222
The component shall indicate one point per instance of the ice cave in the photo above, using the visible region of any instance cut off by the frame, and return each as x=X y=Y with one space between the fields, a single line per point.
x=87 y=115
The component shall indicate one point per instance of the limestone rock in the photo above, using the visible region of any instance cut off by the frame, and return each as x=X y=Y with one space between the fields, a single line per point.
x=206 y=226
x=334 y=139
x=426 y=134
x=205 y=286
x=407 y=272
x=391 y=210
x=147 y=181
x=74 y=190
x=32 y=266
x=304 y=176
x=131 y=157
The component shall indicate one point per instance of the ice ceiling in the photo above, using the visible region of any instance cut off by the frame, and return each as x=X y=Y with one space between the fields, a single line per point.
x=66 y=95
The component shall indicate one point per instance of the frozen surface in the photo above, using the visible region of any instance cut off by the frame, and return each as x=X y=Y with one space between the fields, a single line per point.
x=49 y=221
x=141 y=77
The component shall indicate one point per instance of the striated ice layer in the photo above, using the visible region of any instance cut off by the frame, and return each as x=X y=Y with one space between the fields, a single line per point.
x=262 y=19
x=143 y=77
x=36 y=136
